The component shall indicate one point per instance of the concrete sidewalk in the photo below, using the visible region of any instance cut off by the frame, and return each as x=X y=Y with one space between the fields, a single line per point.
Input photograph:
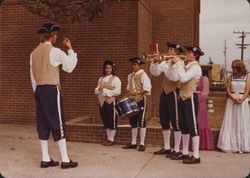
x=20 y=158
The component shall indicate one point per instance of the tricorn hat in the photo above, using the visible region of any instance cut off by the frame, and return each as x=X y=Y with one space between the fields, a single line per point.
x=180 y=48
x=48 y=28
x=195 y=49
x=136 y=60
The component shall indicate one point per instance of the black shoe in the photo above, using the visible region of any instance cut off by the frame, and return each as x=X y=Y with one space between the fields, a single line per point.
x=178 y=156
x=192 y=160
x=51 y=163
x=248 y=176
x=141 y=148
x=129 y=146
x=1 y=176
x=163 y=152
x=70 y=164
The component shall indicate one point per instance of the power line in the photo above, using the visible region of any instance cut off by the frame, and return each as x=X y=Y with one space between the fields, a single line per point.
x=242 y=46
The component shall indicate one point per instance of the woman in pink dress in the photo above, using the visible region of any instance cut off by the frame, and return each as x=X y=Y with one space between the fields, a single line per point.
x=206 y=138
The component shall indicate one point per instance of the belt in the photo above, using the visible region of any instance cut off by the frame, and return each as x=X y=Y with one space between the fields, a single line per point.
x=239 y=93
x=46 y=85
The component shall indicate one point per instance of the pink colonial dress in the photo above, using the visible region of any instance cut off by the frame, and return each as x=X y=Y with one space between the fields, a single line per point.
x=206 y=138
x=235 y=131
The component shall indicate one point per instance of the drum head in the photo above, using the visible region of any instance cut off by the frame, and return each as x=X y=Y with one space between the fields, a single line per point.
x=126 y=108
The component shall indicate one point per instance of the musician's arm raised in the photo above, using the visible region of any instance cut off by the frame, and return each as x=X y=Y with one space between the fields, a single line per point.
x=68 y=61
x=157 y=68
x=193 y=72
x=172 y=73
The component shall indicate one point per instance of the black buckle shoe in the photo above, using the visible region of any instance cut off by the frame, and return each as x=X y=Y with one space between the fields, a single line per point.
x=129 y=146
x=51 y=163
x=141 y=148
x=192 y=160
x=178 y=156
x=70 y=164
x=163 y=152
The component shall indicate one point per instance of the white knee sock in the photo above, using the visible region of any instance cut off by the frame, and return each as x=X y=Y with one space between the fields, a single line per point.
x=166 y=139
x=134 y=135
x=142 y=135
x=185 y=142
x=63 y=150
x=177 y=141
x=45 y=152
x=196 y=144
x=112 y=135
x=108 y=133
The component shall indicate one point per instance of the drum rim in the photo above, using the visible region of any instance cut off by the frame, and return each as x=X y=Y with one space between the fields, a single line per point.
x=134 y=110
x=124 y=99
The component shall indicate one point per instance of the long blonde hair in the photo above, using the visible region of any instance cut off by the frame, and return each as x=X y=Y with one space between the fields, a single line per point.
x=238 y=68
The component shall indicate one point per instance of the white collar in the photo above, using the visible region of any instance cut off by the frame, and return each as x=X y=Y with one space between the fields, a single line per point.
x=138 y=72
x=47 y=42
x=192 y=62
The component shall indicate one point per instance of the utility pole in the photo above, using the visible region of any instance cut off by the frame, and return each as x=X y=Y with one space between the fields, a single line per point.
x=225 y=55
x=242 y=46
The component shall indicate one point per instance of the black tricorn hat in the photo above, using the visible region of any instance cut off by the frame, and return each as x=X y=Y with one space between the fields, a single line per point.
x=136 y=60
x=48 y=28
x=195 y=49
x=180 y=48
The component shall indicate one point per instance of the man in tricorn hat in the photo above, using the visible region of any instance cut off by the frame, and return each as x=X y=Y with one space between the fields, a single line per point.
x=168 y=109
x=188 y=76
x=45 y=60
x=138 y=86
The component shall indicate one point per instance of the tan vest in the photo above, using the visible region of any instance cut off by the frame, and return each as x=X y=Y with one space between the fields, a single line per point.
x=169 y=86
x=44 y=72
x=187 y=89
x=138 y=86
x=108 y=86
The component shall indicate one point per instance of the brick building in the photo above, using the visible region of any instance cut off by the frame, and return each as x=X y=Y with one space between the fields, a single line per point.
x=123 y=31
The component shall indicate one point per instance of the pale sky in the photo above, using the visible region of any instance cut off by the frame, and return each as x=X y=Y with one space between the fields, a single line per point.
x=218 y=20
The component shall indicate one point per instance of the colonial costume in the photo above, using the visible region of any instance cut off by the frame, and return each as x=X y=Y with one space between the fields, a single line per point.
x=168 y=109
x=188 y=104
x=110 y=88
x=45 y=60
x=139 y=85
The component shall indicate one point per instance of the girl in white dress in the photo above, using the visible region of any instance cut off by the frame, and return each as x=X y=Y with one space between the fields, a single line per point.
x=235 y=131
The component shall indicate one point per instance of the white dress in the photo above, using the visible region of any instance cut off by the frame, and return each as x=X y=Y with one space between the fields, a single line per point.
x=235 y=131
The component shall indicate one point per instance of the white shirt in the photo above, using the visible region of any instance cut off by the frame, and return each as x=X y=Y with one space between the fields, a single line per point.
x=57 y=57
x=146 y=83
x=165 y=66
x=116 y=83
x=185 y=73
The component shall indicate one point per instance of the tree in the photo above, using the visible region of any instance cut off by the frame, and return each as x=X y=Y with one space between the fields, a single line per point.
x=65 y=10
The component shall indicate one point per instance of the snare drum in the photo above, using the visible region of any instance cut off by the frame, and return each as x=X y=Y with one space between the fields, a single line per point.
x=127 y=107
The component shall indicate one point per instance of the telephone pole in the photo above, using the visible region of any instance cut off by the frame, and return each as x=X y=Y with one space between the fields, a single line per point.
x=225 y=55
x=242 y=46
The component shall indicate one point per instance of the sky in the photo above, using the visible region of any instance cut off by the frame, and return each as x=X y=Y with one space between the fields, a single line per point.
x=218 y=20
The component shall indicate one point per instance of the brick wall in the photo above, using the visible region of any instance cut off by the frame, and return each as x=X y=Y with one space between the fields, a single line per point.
x=124 y=31
x=95 y=133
